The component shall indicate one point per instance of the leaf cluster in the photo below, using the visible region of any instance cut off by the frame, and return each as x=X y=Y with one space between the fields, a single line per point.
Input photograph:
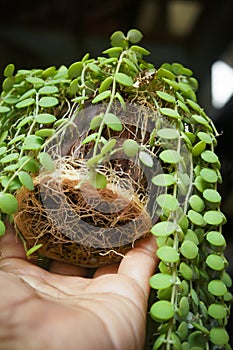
x=192 y=286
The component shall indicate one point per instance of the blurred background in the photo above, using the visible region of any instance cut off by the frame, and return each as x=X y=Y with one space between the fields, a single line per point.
x=196 y=33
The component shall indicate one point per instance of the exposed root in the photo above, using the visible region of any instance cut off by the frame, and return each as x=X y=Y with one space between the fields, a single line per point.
x=81 y=225
x=74 y=221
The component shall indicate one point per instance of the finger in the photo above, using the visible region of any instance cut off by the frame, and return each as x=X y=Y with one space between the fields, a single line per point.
x=11 y=245
x=108 y=269
x=67 y=269
x=140 y=263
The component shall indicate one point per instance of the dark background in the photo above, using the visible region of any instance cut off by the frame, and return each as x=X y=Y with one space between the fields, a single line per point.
x=195 y=33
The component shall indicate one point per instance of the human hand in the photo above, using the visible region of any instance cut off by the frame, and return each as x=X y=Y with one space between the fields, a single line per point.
x=62 y=308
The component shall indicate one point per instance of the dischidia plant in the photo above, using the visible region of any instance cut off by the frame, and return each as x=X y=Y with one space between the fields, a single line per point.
x=107 y=151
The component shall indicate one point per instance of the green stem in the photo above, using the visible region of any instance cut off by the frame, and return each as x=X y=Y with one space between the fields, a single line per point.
x=113 y=92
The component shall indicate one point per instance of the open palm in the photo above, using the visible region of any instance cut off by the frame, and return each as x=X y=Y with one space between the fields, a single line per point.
x=62 y=308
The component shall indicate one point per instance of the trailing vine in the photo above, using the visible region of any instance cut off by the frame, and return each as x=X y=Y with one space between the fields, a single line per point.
x=191 y=298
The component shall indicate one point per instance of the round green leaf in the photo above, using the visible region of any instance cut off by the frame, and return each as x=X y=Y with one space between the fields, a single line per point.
x=16 y=139
x=183 y=331
x=2 y=228
x=163 y=180
x=200 y=183
x=45 y=118
x=11 y=167
x=4 y=109
x=96 y=121
x=203 y=309
x=166 y=97
x=146 y=159
x=46 y=161
x=8 y=83
x=162 y=310
x=187 y=137
x=169 y=112
x=47 y=102
x=213 y=217
x=48 y=89
x=179 y=69
x=164 y=228
x=198 y=148
x=209 y=175
x=26 y=180
x=98 y=180
x=25 y=121
x=9 y=70
x=102 y=96
x=168 y=254
x=105 y=84
x=176 y=343
x=212 y=196
x=217 y=288
x=196 y=218
x=75 y=70
x=45 y=132
x=11 y=100
x=203 y=136
x=168 y=133
x=219 y=336
x=161 y=281
x=190 y=235
x=165 y=73
x=113 y=122
x=160 y=340
x=118 y=38
x=226 y=278
x=228 y=297
x=184 y=306
x=28 y=93
x=35 y=80
x=189 y=249
x=164 y=294
x=186 y=271
x=9 y=158
x=130 y=147
x=183 y=106
x=8 y=203
x=49 y=72
x=215 y=238
x=2 y=150
x=209 y=156
x=197 y=340
x=94 y=161
x=196 y=203
x=108 y=146
x=167 y=201
x=215 y=262
x=25 y=103
x=199 y=119
x=190 y=136
x=170 y=156
x=195 y=106
x=123 y=79
x=32 y=142
x=140 y=51
x=217 y=311
x=94 y=68
x=134 y=36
